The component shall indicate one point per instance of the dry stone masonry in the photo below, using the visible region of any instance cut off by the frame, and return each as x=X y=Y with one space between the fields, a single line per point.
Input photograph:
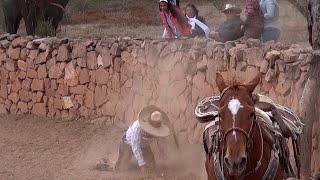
x=111 y=80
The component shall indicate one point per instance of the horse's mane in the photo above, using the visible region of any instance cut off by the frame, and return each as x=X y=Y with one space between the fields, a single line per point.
x=235 y=78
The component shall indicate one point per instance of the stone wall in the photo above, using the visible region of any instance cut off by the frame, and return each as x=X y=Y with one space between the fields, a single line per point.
x=109 y=81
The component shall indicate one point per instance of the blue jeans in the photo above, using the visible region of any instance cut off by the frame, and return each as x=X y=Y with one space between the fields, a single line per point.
x=270 y=34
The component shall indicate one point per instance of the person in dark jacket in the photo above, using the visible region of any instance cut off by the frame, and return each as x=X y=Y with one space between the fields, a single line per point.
x=253 y=27
x=232 y=28
x=270 y=10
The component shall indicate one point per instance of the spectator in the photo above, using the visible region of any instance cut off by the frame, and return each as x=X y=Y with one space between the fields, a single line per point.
x=175 y=2
x=198 y=28
x=253 y=27
x=270 y=10
x=232 y=28
x=174 y=21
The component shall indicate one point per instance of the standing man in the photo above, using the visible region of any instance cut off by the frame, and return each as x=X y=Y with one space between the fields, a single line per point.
x=270 y=10
x=136 y=141
x=232 y=28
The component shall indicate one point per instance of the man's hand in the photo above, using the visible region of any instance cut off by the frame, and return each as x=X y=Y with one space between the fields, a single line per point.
x=144 y=169
x=214 y=35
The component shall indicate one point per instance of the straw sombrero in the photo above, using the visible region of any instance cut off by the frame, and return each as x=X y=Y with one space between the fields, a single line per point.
x=152 y=119
x=232 y=7
x=166 y=1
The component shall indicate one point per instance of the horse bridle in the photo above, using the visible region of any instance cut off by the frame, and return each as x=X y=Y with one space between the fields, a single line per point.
x=222 y=137
x=237 y=129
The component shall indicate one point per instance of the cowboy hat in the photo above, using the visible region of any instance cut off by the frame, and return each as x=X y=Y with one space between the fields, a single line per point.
x=232 y=7
x=152 y=119
x=166 y=1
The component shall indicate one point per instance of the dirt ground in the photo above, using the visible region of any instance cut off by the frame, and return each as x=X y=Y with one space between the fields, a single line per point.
x=36 y=148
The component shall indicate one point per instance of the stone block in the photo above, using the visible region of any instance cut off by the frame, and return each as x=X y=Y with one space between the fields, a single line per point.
x=102 y=76
x=79 y=89
x=23 y=107
x=42 y=71
x=89 y=99
x=41 y=58
x=70 y=78
x=67 y=102
x=22 y=65
x=13 y=97
x=10 y=65
x=92 y=60
x=84 y=76
x=63 y=53
x=14 y=53
x=100 y=96
x=63 y=90
x=108 y=109
x=25 y=96
x=79 y=51
x=26 y=84
x=19 y=42
x=39 y=109
x=56 y=71
x=37 y=85
x=31 y=73
x=253 y=56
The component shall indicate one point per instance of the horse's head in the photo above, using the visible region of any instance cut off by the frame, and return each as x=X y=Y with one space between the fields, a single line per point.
x=237 y=120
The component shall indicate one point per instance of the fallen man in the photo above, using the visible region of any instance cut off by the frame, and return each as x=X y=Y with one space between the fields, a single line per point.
x=136 y=141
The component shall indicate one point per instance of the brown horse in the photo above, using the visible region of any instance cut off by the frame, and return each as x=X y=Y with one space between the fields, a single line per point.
x=238 y=146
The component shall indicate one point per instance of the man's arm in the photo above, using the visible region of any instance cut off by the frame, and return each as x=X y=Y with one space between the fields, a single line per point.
x=270 y=10
x=136 y=148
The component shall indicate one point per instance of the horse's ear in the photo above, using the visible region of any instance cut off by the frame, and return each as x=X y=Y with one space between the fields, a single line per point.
x=253 y=83
x=220 y=82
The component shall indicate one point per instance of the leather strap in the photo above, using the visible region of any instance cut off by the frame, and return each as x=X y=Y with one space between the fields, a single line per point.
x=272 y=166
x=57 y=5
x=217 y=166
x=268 y=175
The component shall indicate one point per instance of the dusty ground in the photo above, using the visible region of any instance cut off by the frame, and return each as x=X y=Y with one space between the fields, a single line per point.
x=36 y=148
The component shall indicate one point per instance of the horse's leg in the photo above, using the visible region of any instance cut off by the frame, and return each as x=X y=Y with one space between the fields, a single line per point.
x=30 y=20
x=11 y=20
x=17 y=23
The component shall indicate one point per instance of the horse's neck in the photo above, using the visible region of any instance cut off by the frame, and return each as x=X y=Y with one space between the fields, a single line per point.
x=61 y=2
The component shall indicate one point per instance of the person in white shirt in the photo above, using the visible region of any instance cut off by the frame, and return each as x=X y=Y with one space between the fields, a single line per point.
x=198 y=26
x=136 y=140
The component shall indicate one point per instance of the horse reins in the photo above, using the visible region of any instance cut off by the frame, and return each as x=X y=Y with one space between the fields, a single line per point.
x=57 y=5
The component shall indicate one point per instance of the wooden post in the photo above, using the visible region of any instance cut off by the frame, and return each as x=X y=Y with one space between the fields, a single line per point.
x=310 y=96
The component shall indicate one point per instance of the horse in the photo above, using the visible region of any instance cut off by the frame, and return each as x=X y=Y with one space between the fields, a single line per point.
x=31 y=10
x=237 y=145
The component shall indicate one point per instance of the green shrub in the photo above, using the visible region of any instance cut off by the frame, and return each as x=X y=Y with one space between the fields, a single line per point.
x=44 y=28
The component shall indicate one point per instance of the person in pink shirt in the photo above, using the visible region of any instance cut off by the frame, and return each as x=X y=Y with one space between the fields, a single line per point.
x=174 y=21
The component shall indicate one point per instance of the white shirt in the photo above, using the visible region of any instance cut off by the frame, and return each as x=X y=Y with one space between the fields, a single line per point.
x=135 y=140
x=194 y=21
